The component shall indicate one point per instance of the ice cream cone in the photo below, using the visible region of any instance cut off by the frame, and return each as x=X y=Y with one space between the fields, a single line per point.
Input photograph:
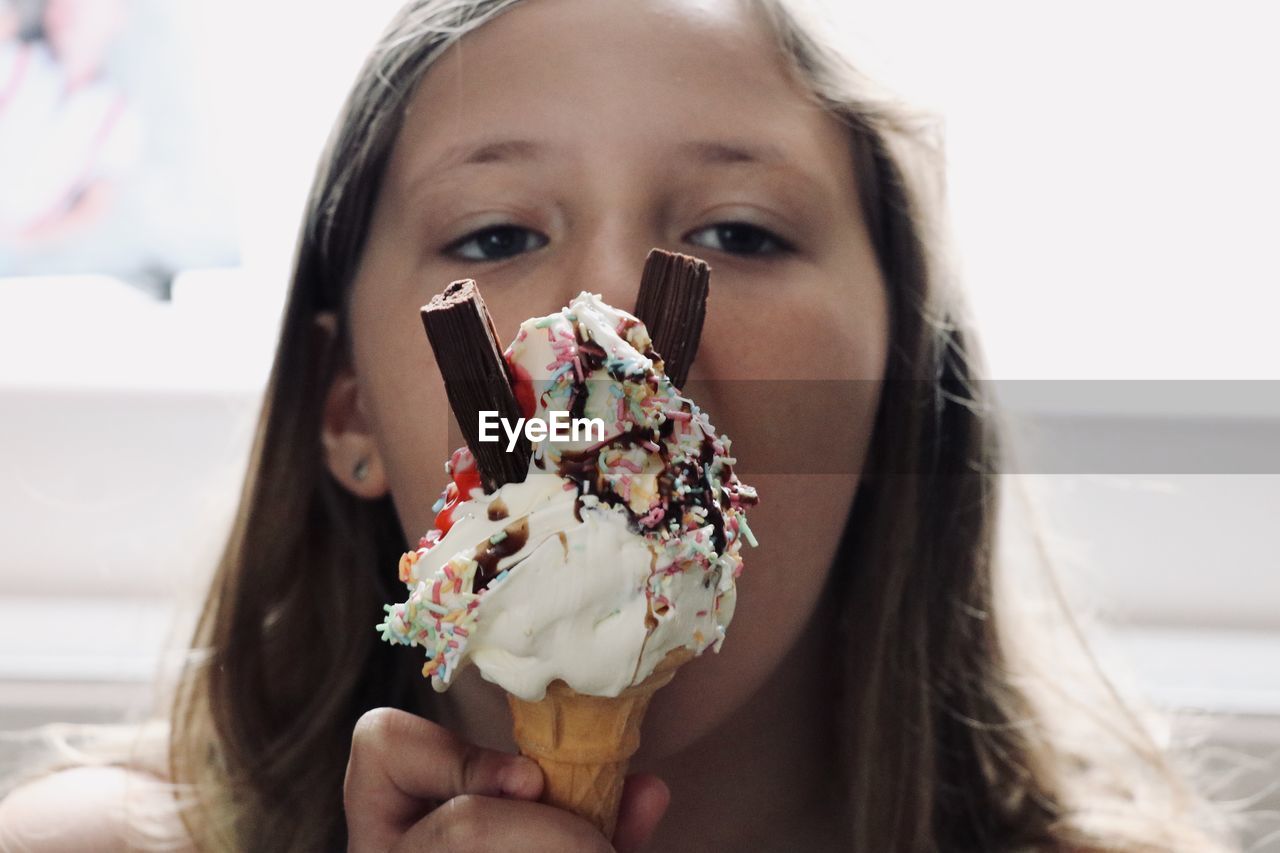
x=584 y=743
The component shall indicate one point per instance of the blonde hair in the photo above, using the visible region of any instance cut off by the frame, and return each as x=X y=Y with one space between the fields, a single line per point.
x=944 y=743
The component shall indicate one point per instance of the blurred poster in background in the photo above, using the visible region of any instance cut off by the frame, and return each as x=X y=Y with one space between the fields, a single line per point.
x=108 y=161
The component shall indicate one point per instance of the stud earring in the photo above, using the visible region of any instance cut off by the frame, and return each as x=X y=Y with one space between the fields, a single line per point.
x=361 y=470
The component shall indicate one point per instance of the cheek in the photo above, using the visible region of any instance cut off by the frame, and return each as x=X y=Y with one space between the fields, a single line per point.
x=816 y=323
x=794 y=380
x=798 y=524
x=404 y=400
x=414 y=446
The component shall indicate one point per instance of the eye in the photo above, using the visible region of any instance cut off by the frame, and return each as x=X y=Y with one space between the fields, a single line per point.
x=739 y=238
x=496 y=243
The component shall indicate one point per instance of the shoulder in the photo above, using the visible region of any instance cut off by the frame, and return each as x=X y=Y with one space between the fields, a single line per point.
x=88 y=808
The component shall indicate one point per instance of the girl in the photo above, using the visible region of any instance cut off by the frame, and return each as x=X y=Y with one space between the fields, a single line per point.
x=869 y=697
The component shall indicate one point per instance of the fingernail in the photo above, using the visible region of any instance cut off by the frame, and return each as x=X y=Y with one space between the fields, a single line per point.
x=519 y=778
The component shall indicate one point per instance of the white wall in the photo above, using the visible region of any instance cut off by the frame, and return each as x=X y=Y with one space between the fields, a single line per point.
x=1113 y=175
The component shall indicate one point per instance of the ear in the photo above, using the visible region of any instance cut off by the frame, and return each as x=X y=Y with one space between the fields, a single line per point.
x=350 y=451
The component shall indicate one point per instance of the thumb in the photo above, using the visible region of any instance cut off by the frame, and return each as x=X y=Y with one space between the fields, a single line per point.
x=644 y=801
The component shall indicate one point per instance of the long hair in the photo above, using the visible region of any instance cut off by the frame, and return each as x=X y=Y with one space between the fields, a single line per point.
x=943 y=747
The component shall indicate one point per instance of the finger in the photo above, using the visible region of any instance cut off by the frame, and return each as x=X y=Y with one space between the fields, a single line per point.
x=472 y=824
x=400 y=764
x=644 y=801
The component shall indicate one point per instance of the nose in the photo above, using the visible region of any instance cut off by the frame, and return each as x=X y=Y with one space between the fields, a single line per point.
x=608 y=262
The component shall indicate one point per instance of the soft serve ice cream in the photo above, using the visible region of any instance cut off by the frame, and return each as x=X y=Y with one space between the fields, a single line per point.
x=610 y=554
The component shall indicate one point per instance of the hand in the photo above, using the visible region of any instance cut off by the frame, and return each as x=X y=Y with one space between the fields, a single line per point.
x=414 y=786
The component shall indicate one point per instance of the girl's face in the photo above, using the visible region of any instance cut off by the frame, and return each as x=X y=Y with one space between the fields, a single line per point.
x=545 y=154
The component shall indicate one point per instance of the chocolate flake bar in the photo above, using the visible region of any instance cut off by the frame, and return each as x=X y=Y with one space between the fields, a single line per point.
x=672 y=305
x=476 y=378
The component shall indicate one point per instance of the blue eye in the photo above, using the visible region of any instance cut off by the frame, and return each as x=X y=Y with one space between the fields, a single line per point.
x=738 y=238
x=497 y=243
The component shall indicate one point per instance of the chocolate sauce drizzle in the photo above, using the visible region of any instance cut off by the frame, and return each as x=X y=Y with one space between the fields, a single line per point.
x=581 y=467
x=489 y=553
x=497 y=510
x=593 y=358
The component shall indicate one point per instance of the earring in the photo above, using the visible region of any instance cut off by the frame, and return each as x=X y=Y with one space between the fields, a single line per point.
x=361 y=470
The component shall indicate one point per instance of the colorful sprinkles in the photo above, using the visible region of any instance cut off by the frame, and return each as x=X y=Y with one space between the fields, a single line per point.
x=664 y=466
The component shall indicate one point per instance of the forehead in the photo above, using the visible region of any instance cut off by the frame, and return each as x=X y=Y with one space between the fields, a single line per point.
x=621 y=78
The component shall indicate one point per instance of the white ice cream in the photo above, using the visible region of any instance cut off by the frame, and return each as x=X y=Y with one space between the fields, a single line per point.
x=589 y=573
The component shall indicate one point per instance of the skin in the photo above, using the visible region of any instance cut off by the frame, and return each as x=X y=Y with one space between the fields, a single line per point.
x=585 y=201
x=655 y=124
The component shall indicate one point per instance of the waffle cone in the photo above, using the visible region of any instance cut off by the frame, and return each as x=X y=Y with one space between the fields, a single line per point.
x=584 y=743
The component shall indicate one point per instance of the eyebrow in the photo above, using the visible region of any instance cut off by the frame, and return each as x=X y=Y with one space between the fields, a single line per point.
x=738 y=152
x=494 y=151
x=705 y=152
x=729 y=153
x=709 y=152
